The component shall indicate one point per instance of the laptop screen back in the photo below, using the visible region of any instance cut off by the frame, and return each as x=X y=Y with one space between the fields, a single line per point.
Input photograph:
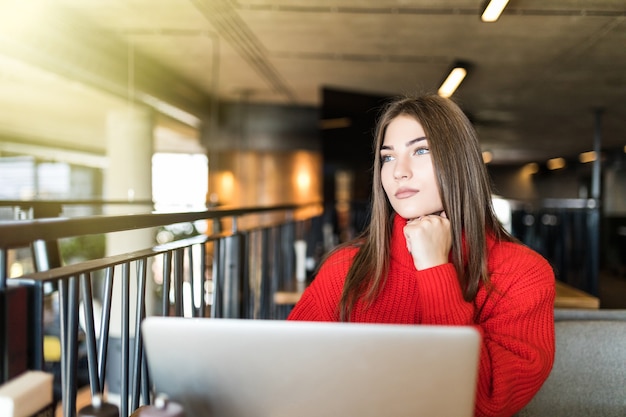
x=263 y=368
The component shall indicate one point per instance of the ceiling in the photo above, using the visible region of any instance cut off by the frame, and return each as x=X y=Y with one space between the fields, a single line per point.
x=538 y=77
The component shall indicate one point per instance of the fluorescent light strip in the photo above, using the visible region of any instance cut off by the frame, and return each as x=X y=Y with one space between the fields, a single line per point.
x=453 y=81
x=172 y=111
x=493 y=10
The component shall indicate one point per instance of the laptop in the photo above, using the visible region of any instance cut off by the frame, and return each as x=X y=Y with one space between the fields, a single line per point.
x=271 y=368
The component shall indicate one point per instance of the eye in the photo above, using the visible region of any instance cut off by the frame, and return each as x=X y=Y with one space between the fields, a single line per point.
x=386 y=158
x=421 y=151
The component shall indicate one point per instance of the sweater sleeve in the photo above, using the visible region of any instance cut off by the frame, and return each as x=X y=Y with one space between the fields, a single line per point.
x=319 y=300
x=515 y=320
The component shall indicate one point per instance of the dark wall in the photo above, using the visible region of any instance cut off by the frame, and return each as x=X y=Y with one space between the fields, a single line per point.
x=351 y=147
x=264 y=127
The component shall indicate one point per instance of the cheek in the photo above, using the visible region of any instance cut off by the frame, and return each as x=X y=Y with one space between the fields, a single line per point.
x=434 y=190
x=428 y=173
x=385 y=178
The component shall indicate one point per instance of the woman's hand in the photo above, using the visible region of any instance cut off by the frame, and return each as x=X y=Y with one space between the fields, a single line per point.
x=428 y=239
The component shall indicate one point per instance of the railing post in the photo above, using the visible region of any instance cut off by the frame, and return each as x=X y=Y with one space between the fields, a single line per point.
x=36 y=323
x=276 y=280
x=202 y=278
x=125 y=348
x=4 y=268
x=68 y=303
x=4 y=345
x=103 y=342
x=595 y=207
x=192 y=287
x=246 y=304
x=179 y=260
x=288 y=254
x=266 y=287
x=90 y=333
x=233 y=276
x=219 y=263
x=140 y=314
x=167 y=279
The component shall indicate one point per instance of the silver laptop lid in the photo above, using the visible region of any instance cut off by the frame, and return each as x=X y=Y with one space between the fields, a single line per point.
x=257 y=368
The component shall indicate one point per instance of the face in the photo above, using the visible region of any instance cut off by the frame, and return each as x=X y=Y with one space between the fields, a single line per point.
x=407 y=172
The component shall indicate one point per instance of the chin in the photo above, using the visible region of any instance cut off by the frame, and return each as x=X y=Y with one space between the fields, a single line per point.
x=409 y=214
x=413 y=209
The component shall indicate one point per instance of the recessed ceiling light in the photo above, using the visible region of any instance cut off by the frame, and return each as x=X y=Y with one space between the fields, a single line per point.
x=556 y=163
x=587 y=157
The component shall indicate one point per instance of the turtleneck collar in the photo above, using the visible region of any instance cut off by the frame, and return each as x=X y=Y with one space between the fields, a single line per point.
x=399 y=252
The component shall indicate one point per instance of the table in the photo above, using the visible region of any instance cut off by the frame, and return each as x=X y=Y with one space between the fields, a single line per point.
x=570 y=297
x=290 y=296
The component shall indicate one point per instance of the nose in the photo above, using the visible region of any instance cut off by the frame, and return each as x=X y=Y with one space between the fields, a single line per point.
x=401 y=169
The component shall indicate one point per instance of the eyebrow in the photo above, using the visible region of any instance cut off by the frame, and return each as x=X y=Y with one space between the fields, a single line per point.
x=409 y=143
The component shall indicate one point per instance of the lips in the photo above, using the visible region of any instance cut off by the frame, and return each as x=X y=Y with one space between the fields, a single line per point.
x=403 y=193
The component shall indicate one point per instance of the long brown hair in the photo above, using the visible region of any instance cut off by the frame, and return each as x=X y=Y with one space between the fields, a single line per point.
x=465 y=190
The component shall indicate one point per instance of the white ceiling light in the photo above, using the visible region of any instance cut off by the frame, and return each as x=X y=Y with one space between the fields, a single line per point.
x=453 y=80
x=493 y=10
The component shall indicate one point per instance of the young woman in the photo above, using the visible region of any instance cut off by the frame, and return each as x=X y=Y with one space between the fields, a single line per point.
x=435 y=253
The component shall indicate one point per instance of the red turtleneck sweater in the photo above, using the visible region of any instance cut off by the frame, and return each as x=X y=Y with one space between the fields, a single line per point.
x=516 y=320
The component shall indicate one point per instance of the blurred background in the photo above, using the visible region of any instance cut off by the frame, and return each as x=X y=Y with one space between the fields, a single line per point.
x=187 y=103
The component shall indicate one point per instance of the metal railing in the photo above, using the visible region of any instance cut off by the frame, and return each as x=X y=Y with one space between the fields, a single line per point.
x=231 y=273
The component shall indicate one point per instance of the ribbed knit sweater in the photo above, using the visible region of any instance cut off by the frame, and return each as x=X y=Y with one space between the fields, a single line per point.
x=515 y=318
